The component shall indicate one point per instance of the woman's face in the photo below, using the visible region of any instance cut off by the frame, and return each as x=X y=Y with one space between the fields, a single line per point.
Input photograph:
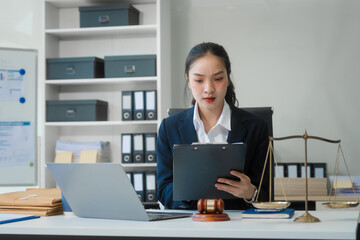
x=208 y=82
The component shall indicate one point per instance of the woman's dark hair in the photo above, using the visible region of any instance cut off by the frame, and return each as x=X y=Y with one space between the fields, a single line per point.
x=201 y=50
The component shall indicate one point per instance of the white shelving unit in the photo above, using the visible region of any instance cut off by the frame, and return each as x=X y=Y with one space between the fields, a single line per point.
x=64 y=38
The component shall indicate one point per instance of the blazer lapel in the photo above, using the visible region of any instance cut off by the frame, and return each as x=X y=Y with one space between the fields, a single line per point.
x=187 y=129
x=238 y=132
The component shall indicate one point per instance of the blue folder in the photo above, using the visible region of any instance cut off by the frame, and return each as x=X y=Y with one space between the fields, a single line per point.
x=253 y=213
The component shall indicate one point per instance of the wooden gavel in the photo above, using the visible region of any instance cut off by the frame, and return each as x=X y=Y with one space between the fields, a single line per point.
x=210 y=206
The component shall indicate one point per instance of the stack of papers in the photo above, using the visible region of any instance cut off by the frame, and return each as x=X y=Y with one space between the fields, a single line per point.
x=296 y=186
x=344 y=186
x=103 y=149
x=276 y=214
x=39 y=202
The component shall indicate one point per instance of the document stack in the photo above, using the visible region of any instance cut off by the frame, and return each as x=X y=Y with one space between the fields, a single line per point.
x=38 y=202
x=292 y=178
x=100 y=149
x=344 y=186
x=296 y=186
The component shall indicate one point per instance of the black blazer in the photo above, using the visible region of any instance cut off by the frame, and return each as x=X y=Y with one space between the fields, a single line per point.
x=179 y=129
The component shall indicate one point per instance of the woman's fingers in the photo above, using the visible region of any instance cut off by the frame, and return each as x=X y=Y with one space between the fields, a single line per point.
x=239 y=188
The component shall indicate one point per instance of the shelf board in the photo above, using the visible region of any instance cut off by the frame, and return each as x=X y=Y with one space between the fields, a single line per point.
x=101 y=81
x=99 y=123
x=77 y=3
x=138 y=165
x=85 y=33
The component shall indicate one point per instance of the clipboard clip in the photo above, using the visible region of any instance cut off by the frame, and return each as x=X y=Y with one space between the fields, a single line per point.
x=209 y=143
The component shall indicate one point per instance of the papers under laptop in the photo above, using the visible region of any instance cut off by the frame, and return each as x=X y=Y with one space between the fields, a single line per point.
x=102 y=190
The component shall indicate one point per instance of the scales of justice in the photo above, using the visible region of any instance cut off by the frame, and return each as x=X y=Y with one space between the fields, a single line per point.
x=212 y=209
x=278 y=205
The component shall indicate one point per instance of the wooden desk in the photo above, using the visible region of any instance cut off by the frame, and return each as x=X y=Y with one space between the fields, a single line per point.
x=333 y=225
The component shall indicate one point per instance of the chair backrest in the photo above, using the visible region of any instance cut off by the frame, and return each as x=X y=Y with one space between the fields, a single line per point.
x=262 y=112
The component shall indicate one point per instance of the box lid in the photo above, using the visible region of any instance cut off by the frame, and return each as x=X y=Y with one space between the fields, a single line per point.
x=75 y=102
x=131 y=57
x=108 y=8
x=74 y=59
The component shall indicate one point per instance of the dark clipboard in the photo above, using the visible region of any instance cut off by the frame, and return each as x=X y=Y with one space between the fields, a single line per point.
x=197 y=167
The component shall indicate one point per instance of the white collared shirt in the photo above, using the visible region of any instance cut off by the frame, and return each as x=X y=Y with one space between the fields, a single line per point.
x=219 y=132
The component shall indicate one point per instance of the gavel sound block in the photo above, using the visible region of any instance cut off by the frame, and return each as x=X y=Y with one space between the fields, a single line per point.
x=210 y=210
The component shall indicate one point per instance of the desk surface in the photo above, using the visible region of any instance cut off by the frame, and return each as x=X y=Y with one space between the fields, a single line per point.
x=333 y=225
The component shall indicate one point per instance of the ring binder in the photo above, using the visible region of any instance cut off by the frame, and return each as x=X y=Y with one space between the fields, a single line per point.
x=150 y=187
x=138 y=148
x=150 y=109
x=138 y=178
x=139 y=103
x=126 y=148
x=127 y=105
x=150 y=145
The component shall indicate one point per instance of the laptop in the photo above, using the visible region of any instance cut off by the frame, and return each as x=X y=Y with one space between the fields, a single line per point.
x=198 y=166
x=103 y=190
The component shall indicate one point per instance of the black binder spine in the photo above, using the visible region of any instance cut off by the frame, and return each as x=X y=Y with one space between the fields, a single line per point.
x=138 y=148
x=139 y=183
x=151 y=105
x=319 y=170
x=139 y=105
x=127 y=105
x=150 y=147
x=130 y=176
x=150 y=187
x=126 y=148
x=293 y=170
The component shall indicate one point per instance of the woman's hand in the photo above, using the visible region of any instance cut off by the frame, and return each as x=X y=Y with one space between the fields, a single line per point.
x=240 y=189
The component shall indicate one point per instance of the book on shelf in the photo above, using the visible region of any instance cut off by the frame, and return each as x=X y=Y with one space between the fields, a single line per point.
x=273 y=214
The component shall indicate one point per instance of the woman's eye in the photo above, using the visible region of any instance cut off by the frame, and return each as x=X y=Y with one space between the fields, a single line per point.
x=198 y=80
x=219 y=79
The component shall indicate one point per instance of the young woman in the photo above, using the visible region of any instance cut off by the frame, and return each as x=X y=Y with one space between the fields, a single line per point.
x=213 y=118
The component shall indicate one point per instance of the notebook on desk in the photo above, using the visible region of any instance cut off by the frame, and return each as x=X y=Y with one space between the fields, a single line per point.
x=102 y=190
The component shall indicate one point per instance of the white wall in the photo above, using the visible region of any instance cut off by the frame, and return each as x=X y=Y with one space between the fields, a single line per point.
x=20 y=27
x=299 y=56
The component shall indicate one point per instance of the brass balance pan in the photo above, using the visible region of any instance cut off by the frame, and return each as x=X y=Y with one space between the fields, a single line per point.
x=271 y=205
x=341 y=204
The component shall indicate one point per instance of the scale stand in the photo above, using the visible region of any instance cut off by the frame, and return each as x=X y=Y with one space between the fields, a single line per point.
x=306 y=217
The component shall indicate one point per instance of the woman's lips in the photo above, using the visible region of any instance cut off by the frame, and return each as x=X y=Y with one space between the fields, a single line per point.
x=209 y=99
